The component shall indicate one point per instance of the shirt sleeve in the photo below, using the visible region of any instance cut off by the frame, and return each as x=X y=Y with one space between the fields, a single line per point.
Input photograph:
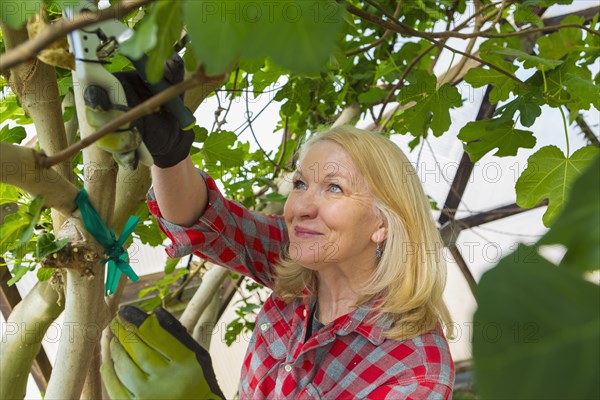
x=228 y=234
x=421 y=390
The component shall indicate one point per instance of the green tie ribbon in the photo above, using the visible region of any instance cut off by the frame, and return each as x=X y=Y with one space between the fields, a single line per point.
x=116 y=255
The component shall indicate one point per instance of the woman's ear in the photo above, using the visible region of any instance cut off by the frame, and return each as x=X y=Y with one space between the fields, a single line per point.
x=379 y=235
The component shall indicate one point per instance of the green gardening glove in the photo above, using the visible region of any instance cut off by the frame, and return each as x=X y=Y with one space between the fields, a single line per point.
x=153 y=357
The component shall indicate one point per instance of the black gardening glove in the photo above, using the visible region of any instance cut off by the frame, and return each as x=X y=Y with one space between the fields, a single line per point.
x=153 y=357
x=161 y=131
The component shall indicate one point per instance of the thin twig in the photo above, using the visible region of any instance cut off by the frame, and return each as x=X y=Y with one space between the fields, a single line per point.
x=196 y=267
x=408 y=31
x=400 y=82
x=283 y=146
x=61 y=28
x=381 y=40
x=248 y=118
x=224 y=119
x=402 y=29
x=478 y=24
x=492 y=66
x=483 y=9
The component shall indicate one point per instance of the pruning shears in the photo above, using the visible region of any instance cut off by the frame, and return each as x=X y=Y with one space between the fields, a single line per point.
x=103 y=93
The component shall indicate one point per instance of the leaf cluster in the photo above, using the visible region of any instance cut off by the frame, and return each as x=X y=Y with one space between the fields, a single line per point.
x=545 y=326
x=25 y=233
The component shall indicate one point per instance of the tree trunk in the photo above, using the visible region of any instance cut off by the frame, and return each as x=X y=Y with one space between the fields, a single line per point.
x=203 y=330
x=22 y=340
x=86 y=313
x=211 y=282
x=34 y=83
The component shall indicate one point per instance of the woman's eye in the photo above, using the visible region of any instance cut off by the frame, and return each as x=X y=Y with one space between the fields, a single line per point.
x=335 y=188
x=298 y=184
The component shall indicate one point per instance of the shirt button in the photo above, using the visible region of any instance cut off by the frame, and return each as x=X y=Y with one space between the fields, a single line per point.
x=264 y=327
x=287 y=368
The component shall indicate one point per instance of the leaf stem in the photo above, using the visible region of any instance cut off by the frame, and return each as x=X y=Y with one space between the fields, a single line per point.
x=545 y=82
x=562 y=113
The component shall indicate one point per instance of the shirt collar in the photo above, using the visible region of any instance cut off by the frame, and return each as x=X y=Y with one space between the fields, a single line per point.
x=363 y=322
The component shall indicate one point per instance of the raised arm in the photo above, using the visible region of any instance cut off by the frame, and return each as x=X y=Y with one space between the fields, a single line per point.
x=180 y=192
x=226 y=233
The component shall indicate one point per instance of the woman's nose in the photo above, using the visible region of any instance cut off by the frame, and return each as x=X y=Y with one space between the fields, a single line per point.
x=306 y=205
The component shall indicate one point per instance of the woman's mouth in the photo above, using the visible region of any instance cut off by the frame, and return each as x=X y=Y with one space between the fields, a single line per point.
x=301 y=232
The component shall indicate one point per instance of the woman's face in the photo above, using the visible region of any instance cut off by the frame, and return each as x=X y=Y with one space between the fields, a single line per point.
x=330 y=213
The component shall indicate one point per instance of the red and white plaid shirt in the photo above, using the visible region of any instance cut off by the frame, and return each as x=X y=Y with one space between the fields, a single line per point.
x=348 y=358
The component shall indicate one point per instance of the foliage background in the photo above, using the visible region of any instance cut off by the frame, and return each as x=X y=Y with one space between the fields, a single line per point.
x=368 y=60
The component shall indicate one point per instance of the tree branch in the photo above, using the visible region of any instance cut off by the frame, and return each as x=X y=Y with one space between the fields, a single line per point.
x=29 y=50
x=86 y=313
x=211 y=281
x=21 y=168
x=383 y=37
x=347 y=115
x=408 y=31
x=34 y=83
x=22 y=340
x=587 y=131
x=404 y=30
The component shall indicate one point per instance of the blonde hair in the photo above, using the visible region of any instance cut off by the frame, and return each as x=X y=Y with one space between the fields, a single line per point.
x=410 y=276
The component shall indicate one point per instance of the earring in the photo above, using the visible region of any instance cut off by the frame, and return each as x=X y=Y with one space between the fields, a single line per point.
x=378 y=251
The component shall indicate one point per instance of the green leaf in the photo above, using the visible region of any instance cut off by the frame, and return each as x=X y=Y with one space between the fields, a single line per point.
x=549 y=175
x=169 y=31
x=302 y=37
x=563 y=86
x=69 y=113
x=65 y=84
x=43 y=274
x=233 y=330
x=142 y=293
x=46 y=244
x=296 y=34
x=189 y=59
x=530 y=61
x=170 y=278
x=503 y=85
x=12 y=135
x=583 y=90
x=566 y=40
x=10 y=109
x=200 y=134
x=373 y=95
x=171 y=264
x=217 y=150
x=481 y=137
x=537 y=331
x=34 y=213
x=150 y=234
x=431 y=109
x=577 y=225
x=525 y=104
x=9 y=194
x=524 y=14
x=16 y=13
x=266 y=76
x=11 y=230
x=17 y=272
x=145 y=36
x=150 y=304
x=119 y=63
x=216 y=36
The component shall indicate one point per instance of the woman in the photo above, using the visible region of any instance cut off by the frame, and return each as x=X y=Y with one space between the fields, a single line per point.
x=354 y=263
